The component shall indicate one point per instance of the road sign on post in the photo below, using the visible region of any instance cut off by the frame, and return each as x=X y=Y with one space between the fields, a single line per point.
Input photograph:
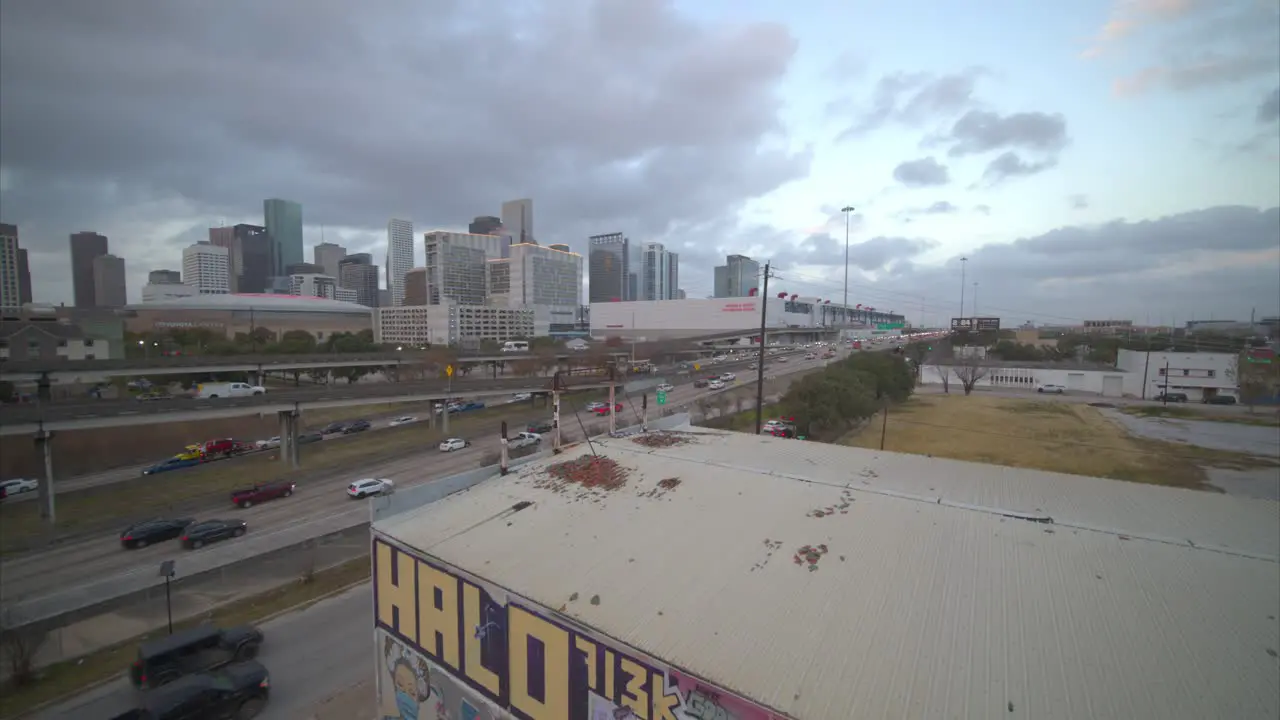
x=889 y=326
x=662 y=397
x=448 y=370
x=987 y=323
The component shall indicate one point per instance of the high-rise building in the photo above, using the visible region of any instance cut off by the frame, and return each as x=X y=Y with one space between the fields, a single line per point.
x=415 y=286
x=357 y=272
x=737 y=277
x=305 y=268
x=283 y=220
x=660 y=273
x=109 y=282
x=485 y=225
x=24 y=276
x=256 y=258
x=399 y=257
x=456 y=266
x=225 y=237
x=10 y=271
x=327 y=255
x=543 y=279
x=207 y=268
x=85 y=246
x=517 y=220
x=165 y=277
x=313 y=285
x=609 y=265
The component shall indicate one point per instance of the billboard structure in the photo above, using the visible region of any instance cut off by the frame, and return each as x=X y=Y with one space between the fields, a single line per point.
x=980 y=324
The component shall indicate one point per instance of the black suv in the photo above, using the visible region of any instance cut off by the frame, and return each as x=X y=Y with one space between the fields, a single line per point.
x=333 y=428
x=239 y=691
x=355 y=427
x=1221 y=400
x=140 y=535
x=194 y=650
x=540 y=426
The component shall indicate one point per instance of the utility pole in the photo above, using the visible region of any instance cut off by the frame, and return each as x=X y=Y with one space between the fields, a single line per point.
x=764 y=308
x=1165 y=396
x=847 y=210
x=964 y=261
x=975 y=298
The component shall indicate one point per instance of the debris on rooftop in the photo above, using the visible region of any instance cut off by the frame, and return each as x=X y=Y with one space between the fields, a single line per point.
x=663 y=439
x=664 y=486
x=770 y=546
x=591 y=472
x=842 y=507
x=809 y=555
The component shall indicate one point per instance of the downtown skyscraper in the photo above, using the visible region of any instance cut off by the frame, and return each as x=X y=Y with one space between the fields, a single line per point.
x=283 y=220
x=399 y=257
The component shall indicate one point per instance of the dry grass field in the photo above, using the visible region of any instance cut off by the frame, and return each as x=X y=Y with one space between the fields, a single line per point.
x=1042 y=435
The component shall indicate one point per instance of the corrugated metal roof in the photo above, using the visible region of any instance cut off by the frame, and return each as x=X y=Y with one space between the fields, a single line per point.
x=932 y=601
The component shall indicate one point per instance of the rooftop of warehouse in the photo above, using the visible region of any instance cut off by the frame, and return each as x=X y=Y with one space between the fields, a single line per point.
x=825 y=581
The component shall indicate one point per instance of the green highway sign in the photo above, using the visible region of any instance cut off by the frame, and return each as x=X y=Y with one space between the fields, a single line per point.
x=889 y=326
x=662 y=397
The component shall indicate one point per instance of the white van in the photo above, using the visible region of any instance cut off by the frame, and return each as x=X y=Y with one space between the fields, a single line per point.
x=515 y=346
x=208 y=391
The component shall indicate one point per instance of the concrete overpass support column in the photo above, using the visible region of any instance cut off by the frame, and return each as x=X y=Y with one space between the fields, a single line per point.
x=43 y=390
x=613 y=407
x=504 y=462
x=555 y=421
x=289 y=438
x=45 y=493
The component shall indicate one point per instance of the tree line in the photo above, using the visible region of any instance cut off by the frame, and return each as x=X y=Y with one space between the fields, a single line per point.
x=830 y=403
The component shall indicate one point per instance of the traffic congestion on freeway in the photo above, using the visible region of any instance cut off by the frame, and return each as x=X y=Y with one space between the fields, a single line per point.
x=327 y=493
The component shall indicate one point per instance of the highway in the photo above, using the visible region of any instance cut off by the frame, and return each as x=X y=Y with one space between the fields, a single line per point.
x=311 y=655
x=37 y=574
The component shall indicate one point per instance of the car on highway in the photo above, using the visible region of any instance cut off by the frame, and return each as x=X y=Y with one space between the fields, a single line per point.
x=782 y=358
x=540 y=426
x=225 y=447
x=593 y=406
x=666 y=387
x=726 y=377
x=521 y=397
x=17 y=486
x=150 y=532
x=199 y=649
x=173 y=463
x=213 y=391
x=310 y=437
x=239 y=690
x=467 y=407
x=151 y=395
x=715 y=385
x=1051 y=389
x=334 y=428
x=202 y=533
x=272 y=442
x=701 y=383
x=368 y=487
x=452 y=444
x=356 y=426
x=603 y=409
x=406 y=420
x=191 y=452
x=248 y=497
x=523 y=440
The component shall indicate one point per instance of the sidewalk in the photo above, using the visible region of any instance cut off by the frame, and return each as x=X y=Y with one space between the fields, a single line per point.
x=354 y=703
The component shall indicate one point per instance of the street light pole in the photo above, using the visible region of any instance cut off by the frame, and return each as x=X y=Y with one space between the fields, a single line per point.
x=975 y=298
x=964 y=261
x=847 y=210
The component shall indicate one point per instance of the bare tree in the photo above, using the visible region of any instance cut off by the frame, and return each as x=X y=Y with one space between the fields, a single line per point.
x=969 y=371
x=19 y=646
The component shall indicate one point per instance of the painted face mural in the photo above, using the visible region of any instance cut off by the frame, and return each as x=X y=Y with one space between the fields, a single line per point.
x=411 y=688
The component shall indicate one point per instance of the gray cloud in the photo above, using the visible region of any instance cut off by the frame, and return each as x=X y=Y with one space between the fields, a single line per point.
x=925 y=172
x=128 y=118
x=1078 y=202
x=873 y=254
x=1129 y=270
x=1269 y=110
x=941 y=207
x=912 y=98
x=980 y=131
x=1009 y=165
x=984 y=209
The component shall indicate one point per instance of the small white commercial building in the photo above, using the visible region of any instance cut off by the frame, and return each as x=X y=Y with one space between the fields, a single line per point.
x=1199 y=375
x=1085 y=378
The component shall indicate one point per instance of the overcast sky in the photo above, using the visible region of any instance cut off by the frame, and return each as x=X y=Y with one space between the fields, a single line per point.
x=1096 y=159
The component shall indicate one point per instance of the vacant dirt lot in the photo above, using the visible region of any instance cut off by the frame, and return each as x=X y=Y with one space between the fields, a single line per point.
x=1042 y=435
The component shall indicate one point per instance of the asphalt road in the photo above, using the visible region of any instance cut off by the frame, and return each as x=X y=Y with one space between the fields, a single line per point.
x=311 y=655
x=107 y=477
x=36 y=574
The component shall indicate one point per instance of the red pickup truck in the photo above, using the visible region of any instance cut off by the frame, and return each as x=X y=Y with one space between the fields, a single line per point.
x=225 y=446
x=259 y=493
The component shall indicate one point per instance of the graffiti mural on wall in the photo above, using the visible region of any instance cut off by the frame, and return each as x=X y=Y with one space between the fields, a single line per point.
x=411 y=688
x=484 y=652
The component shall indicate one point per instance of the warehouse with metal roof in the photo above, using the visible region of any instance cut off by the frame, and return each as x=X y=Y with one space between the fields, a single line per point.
x=691 y=572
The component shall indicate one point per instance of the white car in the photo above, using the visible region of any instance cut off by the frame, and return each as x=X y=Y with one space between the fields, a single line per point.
x=666 y=387
x=593 y=406
x=368 y=487
x=715 y=385
x=1051 y=389
x=268 y=443
x=453 y=444
x=728 y=377
x=521 y=397
x=17 y=486
x=406 y=420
